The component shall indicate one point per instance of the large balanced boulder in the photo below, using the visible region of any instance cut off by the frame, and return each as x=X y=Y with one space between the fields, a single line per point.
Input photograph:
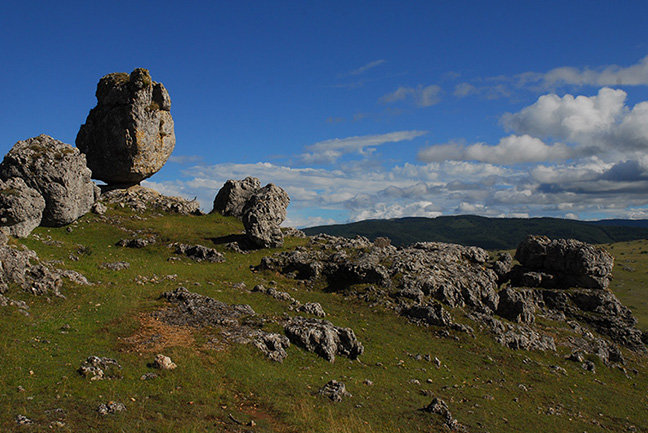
x=561 y=263
x=129 y=135
x=233 y=196
x=21 y=208
x=263 y=214
x=58 y=172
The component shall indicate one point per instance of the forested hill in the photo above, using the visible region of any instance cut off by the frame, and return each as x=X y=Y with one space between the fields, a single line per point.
x=489 y=233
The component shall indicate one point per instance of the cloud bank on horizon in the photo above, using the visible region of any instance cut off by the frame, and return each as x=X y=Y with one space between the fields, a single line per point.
x=566 y=155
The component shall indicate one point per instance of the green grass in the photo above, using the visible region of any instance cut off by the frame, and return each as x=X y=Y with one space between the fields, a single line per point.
x=480 y=380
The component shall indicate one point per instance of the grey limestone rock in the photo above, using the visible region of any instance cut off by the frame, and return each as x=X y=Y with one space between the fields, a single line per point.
x=99 y=368
x=141 y=199
x=163 y=362
x=129 y=135
x=263 y=214
x=58 y=172
x=22 y=267
x=570 y=263
x=516 y=305
x=440 y=407
x=313 y=308
x=21 y=207
x=334 y=390
x=110 y=408
x=324 y=338
x=232 y=197
x=198 y=253
x=194 y=309
x=272 y=345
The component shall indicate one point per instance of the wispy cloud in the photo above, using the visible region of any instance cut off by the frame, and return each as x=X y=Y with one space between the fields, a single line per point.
x=185 y=159
x=329 y=151
x=365 y=68
x=421 y=96
x=610 y=75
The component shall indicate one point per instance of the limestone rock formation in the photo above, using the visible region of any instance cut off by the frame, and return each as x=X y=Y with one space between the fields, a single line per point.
x=21 y=208
x=232 y=197
x=129 y=135
x=324 y=338
x=263 y=214
x=141 y=199
x=58 y=172
x=561 y=263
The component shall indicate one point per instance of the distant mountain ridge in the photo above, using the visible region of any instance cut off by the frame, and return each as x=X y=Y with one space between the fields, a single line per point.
x=489 y=233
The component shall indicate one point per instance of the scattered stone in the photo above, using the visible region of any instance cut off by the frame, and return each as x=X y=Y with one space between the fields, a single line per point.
x=323 y=338
x=293 y=232
x=367 y=382
x=111 y=407
x=198 y=253
x=58 y=172
x=21 y=208
x=262 y=215
x=589 y=366
x=233 y=196
x=141 y=199
x=129 y=135
x=136 y=243
x=440 y=407
x=163 y=362
x=115 y=266
x=23 y=420
x=76 y=277
x=99 y=368
x=148 y=376
x=562 y=263
x=99 y=208
x=334 y=390
x=313 y=308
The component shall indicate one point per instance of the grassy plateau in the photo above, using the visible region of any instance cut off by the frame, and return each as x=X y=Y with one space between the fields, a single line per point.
x=223 y=387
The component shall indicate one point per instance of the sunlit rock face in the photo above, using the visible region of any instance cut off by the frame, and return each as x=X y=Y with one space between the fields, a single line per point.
x=129 y=135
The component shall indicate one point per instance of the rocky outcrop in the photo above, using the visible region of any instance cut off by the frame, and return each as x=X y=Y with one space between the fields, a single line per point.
x=323 y=338
x=262 y=210
x=232 y=197
x=561 y=263
x=194 y=309
x=198 y=253
x=58 y=172
x=434 y=314
x=452 y=274
x=22 y=268
x=129 y=135
x=440 y=407
x=272 y=345
x=516 y=305
x=599 y=309
x=141 y=199
x=21 y=208
x=263 y=214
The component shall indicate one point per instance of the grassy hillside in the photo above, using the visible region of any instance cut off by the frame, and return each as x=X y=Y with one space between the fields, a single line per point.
x=487 y=387
x=489 y=233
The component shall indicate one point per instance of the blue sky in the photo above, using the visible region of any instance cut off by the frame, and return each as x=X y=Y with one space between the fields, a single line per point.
x=361 y=109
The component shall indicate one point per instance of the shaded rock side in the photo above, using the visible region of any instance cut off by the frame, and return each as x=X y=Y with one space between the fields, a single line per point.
x=232 y=197
x=323 y=338
x=21 y=267
x=263 y=214
x=129 y=135
x=21 y=208
x=561 y=263
x=58 y=172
